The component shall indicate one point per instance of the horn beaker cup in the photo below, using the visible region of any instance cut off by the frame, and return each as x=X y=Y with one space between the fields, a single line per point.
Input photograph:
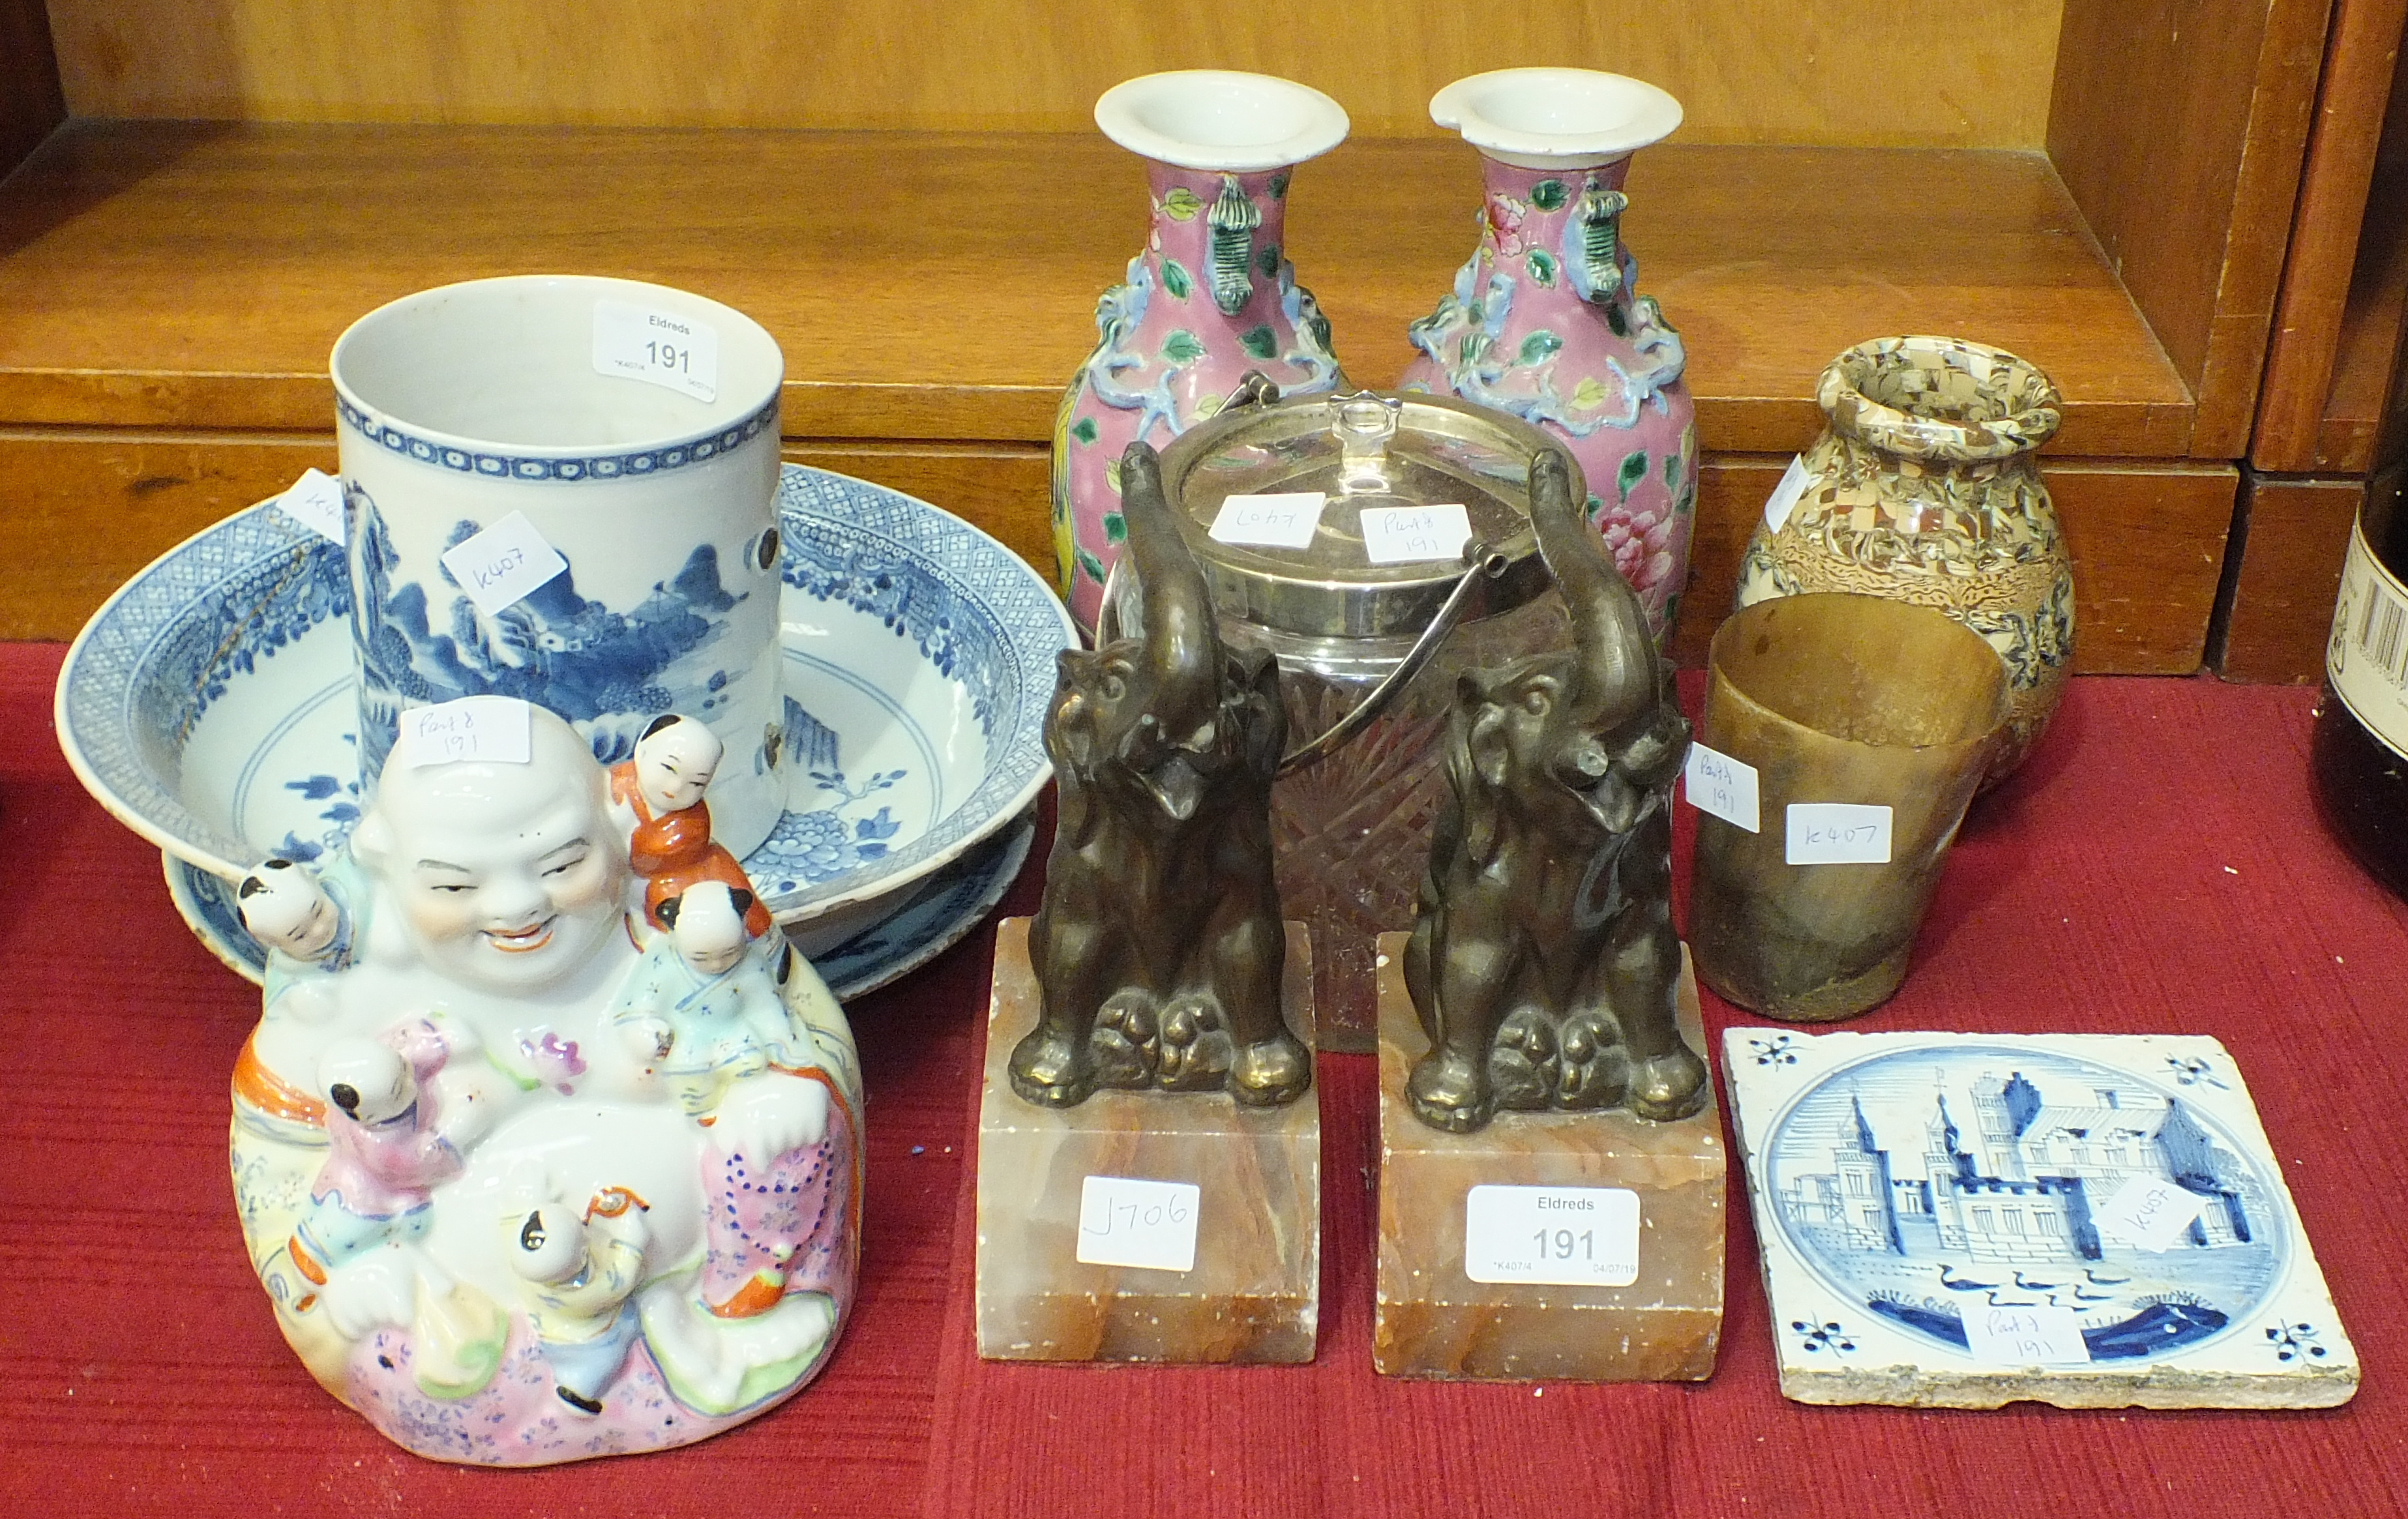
x=1891 y=713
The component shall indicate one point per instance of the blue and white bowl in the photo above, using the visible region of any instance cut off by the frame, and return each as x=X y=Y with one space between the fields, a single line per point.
x=209 y=704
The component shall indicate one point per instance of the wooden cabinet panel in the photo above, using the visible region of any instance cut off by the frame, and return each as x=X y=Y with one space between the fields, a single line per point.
x=2179 y=127
x=30 y=103
x=2319 y=285
x=194 y=276
x=2147 y=543
x=2289 y=542
x=82 y=510
x=1745 y=72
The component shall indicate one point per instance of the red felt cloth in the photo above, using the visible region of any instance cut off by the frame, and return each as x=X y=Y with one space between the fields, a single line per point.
x=2154 y=869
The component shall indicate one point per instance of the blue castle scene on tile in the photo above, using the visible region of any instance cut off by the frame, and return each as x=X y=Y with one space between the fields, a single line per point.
x=1925 y=1182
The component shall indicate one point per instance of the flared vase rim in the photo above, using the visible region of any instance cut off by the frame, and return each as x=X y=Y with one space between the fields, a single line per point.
x=1168 y=118
x=1556 y=118
x=2029 y=409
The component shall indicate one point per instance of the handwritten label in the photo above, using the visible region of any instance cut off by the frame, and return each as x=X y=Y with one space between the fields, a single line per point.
x=1573 y=1237
x=1125 y=1220
x=2040 y=1334
x=1404 y=534
x=636 y=342
x=2150 y=1211
x=1784 y=499
x=1721 y=786
x=492 y=728
x=503 y=563
x=1280 y=520
x=1838 y=832
x=316 y=502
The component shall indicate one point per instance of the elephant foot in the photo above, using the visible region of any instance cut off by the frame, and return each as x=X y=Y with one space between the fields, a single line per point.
x=1592 y=1069
x=1196 y=1048
x=1667 y=1086
x=1271 y=1072
x=1522 y=1061
x=1047 y=1071
x=1126 y=1047
x=1448 y=1091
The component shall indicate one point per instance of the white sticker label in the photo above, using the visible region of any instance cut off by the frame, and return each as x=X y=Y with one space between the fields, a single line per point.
x=1124 y=1221
x=503 y=563
x=636 y=342
x=1838 y=832
x=1573 y=1237
x=2038 y=1335
x=491 y=728
x=1784 y=499
x=1721 y=786
x=2149 y=1212
x=316 y=502
x=2366 y=656
x=1405 y=535
x=1283 y=520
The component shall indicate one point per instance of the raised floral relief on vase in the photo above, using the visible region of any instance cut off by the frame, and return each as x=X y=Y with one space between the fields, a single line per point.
x=1924 y=487
x=1211 y=298
x=1545 y=320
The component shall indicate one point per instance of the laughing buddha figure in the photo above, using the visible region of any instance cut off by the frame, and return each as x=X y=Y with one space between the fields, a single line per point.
x=498 y=926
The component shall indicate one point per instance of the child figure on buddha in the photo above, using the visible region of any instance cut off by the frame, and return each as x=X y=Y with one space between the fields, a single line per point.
x=706 y=1012
x=657 y=796
x=496 y=894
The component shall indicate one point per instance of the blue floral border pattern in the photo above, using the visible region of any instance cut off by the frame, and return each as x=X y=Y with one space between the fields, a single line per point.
x=604 y=467
x=158 y=656
x=971 y=606
x=154 y=660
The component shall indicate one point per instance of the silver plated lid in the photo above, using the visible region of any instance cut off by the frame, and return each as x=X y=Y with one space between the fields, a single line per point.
x=1361 y=452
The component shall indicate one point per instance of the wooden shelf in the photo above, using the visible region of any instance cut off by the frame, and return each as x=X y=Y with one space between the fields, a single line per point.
x=927 y=286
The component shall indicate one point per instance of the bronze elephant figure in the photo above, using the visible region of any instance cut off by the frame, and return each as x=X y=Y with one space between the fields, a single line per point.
x=1543 y=961
x=1159 y=950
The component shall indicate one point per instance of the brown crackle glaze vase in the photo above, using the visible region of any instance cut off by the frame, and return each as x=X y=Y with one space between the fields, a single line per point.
x=1924 y=488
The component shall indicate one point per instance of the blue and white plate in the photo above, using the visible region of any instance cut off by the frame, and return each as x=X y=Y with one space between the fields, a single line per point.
x=209 y=703
x=939 y=914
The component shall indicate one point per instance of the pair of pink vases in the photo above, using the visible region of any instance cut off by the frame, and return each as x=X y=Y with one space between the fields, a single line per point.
x=1544 y=321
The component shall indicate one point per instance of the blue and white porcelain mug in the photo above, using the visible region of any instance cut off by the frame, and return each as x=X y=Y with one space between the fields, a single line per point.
x=634 y=429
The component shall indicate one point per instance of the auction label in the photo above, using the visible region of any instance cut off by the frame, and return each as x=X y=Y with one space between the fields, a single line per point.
x=2036 y=1334
x=1784 y=499
x=1277 y=520
x=1721 y=787
x=636 y=342
x=1405 y=535
x=502 y=564
x=1125 y=1221
x=2149 y=1212
x=1838 y=832
x=316 y=502
x=2366 y=656
x=1572 y=1236
x=491 y=728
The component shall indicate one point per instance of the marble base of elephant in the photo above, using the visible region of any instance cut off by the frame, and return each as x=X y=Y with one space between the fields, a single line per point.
x=1252 y=1289
x=1550 y=1173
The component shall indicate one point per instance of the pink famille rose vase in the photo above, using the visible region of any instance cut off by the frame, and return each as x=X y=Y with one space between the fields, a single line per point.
x=1545 y=320
x=1211 y=298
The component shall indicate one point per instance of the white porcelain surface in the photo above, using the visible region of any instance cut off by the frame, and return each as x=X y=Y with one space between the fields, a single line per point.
x=853 y=959
x=1219 y=119
x=1913 y=1190
x=208 y=704
x=1556 y=118
x=461 y=405
x=524 y=1182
